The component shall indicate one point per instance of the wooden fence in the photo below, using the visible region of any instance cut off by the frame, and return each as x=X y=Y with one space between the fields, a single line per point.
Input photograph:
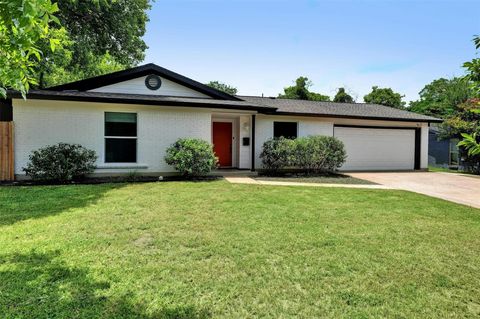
x=6 y=151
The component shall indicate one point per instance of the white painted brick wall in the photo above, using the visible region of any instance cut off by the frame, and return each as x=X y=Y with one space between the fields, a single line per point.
x=39 y=123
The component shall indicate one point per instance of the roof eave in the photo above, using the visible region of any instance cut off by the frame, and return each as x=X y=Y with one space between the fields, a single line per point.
x=359 y=117
x=136 y=101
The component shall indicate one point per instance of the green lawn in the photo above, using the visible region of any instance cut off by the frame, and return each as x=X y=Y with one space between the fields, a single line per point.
x=443 y=170
x=449 y=170
x=213 y=249
x=328 y=179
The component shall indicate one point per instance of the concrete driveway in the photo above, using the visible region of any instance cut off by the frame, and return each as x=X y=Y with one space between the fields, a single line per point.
x=458 y=188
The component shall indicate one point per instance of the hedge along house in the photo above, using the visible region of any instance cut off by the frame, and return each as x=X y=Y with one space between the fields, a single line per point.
x=131 y=117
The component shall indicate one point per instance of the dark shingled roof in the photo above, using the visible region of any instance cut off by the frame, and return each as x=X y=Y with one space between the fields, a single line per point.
x=332 y=109
x=142 y=99
x=264 y=105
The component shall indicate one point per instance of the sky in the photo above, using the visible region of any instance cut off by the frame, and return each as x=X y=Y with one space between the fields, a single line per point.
x=262 y=46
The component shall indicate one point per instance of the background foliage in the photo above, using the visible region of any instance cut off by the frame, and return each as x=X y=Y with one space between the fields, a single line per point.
x=44 y=43
x=223 y=87
x=102 y=36
x=300 y=91
x=343 y=97
x=385 y=96
x=23 y=26
x=441 y=97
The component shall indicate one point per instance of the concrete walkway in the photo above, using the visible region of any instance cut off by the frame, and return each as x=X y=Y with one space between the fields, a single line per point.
x=249 y=180
x=458 y=188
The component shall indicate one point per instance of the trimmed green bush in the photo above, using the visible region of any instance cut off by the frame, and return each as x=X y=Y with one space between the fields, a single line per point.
x=62 y=162
x=277 y=154
x=312 y=154
x=191 y=157
x=335 y=155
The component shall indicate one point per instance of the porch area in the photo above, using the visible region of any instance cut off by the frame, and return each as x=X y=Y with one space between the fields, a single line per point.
x=232 y=136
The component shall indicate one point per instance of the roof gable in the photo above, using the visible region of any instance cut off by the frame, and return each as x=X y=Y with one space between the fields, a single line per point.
x=117 y=81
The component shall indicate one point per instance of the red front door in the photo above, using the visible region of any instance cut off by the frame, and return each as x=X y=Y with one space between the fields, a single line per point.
x=222 y=142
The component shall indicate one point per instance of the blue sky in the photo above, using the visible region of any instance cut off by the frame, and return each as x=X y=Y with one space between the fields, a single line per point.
x=262 y=46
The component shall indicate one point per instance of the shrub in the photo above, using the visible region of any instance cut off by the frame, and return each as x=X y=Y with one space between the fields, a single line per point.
x=191 y=157
x=277 y=154
x=333 y=150
x=312 y=154
x=60 y=163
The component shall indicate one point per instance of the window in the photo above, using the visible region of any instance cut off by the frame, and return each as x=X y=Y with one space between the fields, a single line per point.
x=120 y=137
x=454 y=158
x=285 y=129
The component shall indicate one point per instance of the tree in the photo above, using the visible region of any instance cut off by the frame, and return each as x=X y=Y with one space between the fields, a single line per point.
x=104 y=35
x=440 y=97
x=385 y=96
x=467 y=123
x=473 y=69
x=23 y=25
x=465 y=119
x=223 y=87
x=343 y=97
x=300 y=91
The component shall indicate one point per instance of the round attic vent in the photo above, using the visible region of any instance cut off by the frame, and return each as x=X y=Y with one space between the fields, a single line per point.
x=153 y=82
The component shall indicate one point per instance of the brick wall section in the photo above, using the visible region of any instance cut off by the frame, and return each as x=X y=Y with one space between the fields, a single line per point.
x=40 y=123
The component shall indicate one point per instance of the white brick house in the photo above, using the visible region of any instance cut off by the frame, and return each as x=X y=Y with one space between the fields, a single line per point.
x=130 y=117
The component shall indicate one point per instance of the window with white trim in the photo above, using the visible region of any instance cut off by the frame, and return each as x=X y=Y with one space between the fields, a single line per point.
x=120 y=137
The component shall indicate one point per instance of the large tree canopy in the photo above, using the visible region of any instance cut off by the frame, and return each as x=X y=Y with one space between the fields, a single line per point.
x=23 y=26
x=43 y=44
x=223 y=87
x=300 y=91
x=440 y=97
x=385 y=96
x=103 y=36
x=343 y=97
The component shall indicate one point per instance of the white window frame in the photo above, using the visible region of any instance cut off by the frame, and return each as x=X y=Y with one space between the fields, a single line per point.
x=119 y=137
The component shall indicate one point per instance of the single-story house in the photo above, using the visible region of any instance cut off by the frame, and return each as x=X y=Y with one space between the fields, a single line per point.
x=130 y=118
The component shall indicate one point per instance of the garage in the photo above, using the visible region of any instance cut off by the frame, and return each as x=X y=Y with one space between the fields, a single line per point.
x=379 y=148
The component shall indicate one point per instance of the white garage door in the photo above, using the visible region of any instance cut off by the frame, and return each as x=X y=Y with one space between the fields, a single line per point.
x=377 y=149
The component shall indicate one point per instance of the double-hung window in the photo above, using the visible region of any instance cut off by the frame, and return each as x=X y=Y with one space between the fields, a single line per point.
x=120 y=137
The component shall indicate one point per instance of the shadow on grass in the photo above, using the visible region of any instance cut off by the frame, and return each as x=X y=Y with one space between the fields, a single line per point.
x=40 y=285
x=20 y=203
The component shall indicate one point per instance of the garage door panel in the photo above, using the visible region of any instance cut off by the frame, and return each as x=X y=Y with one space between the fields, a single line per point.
x=377 y=149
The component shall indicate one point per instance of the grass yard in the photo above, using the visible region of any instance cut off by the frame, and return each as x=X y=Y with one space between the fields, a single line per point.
x=328 y=179
x=449 y=170
x=213 y=249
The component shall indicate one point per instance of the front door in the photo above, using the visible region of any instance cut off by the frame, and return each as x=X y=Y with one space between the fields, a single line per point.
x=222 y=142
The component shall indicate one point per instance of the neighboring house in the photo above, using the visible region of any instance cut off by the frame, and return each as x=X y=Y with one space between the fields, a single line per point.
x=130 y=118
x=442 y=152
